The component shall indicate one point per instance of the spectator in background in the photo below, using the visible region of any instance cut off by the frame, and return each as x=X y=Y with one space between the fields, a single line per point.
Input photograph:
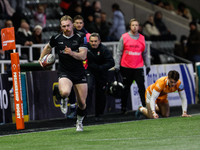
x=181 y=47
x=37 y=39
x=89 y=22
x=193 y=43
x=164 y=31
x=97 y=7
x=118 y=24
x=183 y=11
x=79 y=26
x=37 y=34
x=25 y=33
x=104 y=27
x=169 y=6
x=150 y=30
x=6 y=11
x=85 y=5
x=141 y=31
x=96 y=25
x=77 y=10
x=87 y=10
x=40 y=16
x=15 y=3
x=100 y=61
x=131 y=64
x=159 y=3
x=18 y=17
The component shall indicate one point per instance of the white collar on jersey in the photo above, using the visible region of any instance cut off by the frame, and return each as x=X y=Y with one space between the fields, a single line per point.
x=68 y=37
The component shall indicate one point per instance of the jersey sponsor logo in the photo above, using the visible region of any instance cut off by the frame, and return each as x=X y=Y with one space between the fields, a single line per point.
x=134 y=46
x=84 y=79
x=133 y=53
x=60 y=42
x=75 y=42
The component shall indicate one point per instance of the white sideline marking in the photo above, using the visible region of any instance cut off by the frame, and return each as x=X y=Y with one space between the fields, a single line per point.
x=91 y=125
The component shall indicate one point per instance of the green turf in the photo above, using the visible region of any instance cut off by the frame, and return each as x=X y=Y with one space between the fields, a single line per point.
x=176 y=133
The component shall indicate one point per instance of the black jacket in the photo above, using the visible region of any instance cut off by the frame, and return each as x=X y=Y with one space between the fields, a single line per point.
x=193 y=43
x=100 y=61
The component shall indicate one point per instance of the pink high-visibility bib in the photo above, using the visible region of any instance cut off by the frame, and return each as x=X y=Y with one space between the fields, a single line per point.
x=88 y=36
x=132 y=53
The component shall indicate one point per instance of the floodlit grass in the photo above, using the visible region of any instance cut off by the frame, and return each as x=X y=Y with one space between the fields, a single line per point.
x=176 y=133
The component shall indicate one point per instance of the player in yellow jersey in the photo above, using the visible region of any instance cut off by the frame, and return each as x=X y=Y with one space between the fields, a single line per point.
x=156 y=97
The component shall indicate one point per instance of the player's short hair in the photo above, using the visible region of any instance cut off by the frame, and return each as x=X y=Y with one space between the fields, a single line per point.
x=134 y=20
x=66 y=17
x=95 y=35
x=173 y=74
x=78 y=17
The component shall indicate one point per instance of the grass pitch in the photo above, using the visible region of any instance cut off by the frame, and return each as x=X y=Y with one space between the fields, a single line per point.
x=174 y=133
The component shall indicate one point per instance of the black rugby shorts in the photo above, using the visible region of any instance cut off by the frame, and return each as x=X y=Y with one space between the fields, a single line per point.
x=76 y=79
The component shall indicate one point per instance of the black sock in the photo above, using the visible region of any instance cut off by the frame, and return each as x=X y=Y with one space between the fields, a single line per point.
x=81 y=112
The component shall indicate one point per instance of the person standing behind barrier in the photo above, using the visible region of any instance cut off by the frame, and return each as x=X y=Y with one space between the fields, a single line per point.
x=164 y=31
x=156 y=97
x=79 y=26
x=72 y=50
x=40 y=16
x=130 y=59
x=25 y=33
x=100 y=61
x=193 y=43
x=118 y=23
x=105 y=27
x=37 y=39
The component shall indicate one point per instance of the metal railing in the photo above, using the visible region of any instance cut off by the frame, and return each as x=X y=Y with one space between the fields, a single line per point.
x=112 y=46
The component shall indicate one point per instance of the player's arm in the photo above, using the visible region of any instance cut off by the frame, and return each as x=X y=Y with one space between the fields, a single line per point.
x=45 y=51
x=184 y=103
x=154 y=96
x=81 y=55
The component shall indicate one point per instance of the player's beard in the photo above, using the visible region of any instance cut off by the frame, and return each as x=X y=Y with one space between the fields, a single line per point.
x=68 y=32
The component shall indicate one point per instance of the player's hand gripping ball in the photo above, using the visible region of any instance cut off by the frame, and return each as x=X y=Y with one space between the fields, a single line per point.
x=48 y=60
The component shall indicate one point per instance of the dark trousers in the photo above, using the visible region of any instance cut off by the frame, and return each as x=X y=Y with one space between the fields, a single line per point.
x=100 y=97
x=128 y=76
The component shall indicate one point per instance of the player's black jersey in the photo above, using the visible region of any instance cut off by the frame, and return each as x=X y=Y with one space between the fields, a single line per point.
x=66 y=62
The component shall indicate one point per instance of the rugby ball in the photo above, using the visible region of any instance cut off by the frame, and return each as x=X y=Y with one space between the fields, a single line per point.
x=48 y=60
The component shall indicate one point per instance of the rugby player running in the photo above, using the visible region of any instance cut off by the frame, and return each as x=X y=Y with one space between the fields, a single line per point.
x=72 y=50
